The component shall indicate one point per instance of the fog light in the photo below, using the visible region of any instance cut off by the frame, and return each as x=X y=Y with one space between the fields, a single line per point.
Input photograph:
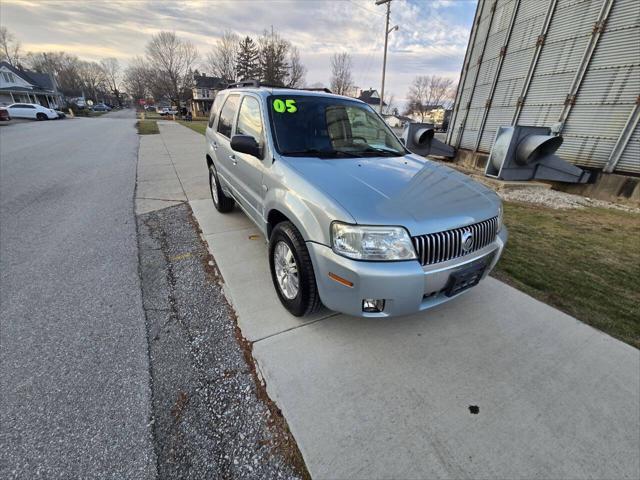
x=370 y=305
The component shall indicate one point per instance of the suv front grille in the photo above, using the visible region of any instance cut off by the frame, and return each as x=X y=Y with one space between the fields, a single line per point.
x=442 y=246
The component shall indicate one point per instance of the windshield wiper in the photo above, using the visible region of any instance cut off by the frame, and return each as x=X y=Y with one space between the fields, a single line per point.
x=314 y=152
x=389 y=153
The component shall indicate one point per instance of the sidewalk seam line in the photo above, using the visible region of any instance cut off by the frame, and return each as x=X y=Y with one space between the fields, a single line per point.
x=331 y=315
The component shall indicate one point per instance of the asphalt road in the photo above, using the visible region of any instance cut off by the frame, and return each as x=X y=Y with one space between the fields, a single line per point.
x=74 y=380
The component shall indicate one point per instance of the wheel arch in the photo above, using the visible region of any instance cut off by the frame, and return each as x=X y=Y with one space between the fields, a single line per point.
x=288 y=207
x=274 y=217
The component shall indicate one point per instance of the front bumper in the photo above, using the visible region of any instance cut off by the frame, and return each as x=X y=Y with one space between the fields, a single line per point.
x=407 y=287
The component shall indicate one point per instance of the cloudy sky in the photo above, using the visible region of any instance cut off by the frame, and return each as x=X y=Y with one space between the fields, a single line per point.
x=432 y=37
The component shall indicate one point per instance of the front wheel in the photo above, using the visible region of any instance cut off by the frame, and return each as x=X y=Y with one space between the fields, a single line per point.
x=292 y=271
x=222 y=203
x=41 y=116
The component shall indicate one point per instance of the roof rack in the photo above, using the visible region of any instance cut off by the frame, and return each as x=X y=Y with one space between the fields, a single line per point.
x=244 y=83
x=258 y=84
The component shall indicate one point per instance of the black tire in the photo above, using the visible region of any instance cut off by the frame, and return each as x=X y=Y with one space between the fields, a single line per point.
x=223 y=203
x=41 y=116
x=307 y=299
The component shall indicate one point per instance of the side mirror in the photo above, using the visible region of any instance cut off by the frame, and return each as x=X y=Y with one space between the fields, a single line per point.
x=402 y=141
x=245 y=144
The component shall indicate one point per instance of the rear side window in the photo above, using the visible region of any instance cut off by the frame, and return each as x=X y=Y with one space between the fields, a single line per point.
x=227 y=115
x=249 y=119
x=214 y=110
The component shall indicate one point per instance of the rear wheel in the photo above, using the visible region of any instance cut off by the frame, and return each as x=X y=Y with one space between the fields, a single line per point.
x=41 y=116
x=292 y=271
x=222 y=203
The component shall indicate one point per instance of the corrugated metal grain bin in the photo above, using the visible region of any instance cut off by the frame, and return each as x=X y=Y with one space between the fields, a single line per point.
x=573 y=65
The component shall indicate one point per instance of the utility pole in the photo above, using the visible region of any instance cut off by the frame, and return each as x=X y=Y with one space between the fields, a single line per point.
x=387 y=31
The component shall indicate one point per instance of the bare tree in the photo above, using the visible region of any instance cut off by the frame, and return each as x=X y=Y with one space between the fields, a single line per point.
x=93 y=78
x=426 y=93
x=223 y=58
x=170 y=60
x=418 y=96
x=341 y=81
x=390 y=108
x=450 y=96
x=136 y=79
x=10 y=48
x=64 y=67
x=111 y=68
x=439 y=88
x=297 y=71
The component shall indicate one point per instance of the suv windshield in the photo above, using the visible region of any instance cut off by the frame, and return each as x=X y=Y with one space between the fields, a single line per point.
x=328 y=127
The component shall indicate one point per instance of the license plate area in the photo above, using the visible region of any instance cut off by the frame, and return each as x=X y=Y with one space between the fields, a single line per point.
x=465 y=278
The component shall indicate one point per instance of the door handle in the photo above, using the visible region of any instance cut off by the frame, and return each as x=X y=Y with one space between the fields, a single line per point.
x=233 y=159
x=215 y=146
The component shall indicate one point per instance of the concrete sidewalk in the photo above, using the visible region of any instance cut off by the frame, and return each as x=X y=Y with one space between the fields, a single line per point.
x=374 y=398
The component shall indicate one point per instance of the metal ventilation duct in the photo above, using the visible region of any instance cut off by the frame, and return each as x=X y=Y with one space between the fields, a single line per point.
x=528 y=153
x=419 y=139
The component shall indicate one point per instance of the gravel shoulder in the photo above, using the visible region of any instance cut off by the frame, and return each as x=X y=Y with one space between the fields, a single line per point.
x=211 y=415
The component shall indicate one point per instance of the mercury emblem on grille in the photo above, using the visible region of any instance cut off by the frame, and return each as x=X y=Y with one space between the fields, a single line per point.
x=467 y=241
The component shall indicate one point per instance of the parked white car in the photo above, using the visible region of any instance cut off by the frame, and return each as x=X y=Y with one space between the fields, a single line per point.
x=164 y=111
x=31 y=110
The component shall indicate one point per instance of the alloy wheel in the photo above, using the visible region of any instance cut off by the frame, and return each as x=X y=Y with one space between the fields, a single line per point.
x=213 y=186
x=286 y=270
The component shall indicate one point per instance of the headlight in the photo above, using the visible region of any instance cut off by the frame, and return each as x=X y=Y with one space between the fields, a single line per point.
x=499 y=219
x=371 y=243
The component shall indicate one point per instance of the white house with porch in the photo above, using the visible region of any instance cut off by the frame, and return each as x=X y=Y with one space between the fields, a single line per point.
x=23 y=86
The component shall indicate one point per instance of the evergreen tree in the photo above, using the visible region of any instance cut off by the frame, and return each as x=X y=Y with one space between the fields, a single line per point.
x=248 y=65
x=274 y=68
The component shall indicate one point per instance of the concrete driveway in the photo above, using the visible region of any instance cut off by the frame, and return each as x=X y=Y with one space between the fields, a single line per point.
x=492 y=385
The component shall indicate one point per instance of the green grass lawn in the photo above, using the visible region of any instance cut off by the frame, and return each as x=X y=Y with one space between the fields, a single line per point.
x=584 y=262
x=147 y=127
x=151 y=115
x=198 y=126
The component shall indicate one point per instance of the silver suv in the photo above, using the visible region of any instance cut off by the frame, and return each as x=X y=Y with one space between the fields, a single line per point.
x=353 y=219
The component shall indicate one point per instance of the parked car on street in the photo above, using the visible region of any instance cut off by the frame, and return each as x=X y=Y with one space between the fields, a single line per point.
x=167 y=111
x=100 y=107
x=79 y=102
x=32 y=111
x=4 y=115
x=353 y=219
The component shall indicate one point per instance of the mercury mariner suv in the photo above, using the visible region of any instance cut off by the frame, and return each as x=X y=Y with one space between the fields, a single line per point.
x=354 y=220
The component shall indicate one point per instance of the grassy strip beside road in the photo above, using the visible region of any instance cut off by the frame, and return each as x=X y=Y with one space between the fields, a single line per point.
x=147 y=127
x=197 y=126
x=583 y=262
x=151 y=115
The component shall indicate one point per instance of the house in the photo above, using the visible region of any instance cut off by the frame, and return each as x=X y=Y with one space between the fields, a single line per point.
x=371 y=97
x=396 y=121
x=203 y=92
x=435 y=113
x=432 y=114
x=24 y=86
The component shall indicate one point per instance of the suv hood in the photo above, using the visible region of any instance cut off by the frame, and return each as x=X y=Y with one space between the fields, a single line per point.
x=410 y=191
